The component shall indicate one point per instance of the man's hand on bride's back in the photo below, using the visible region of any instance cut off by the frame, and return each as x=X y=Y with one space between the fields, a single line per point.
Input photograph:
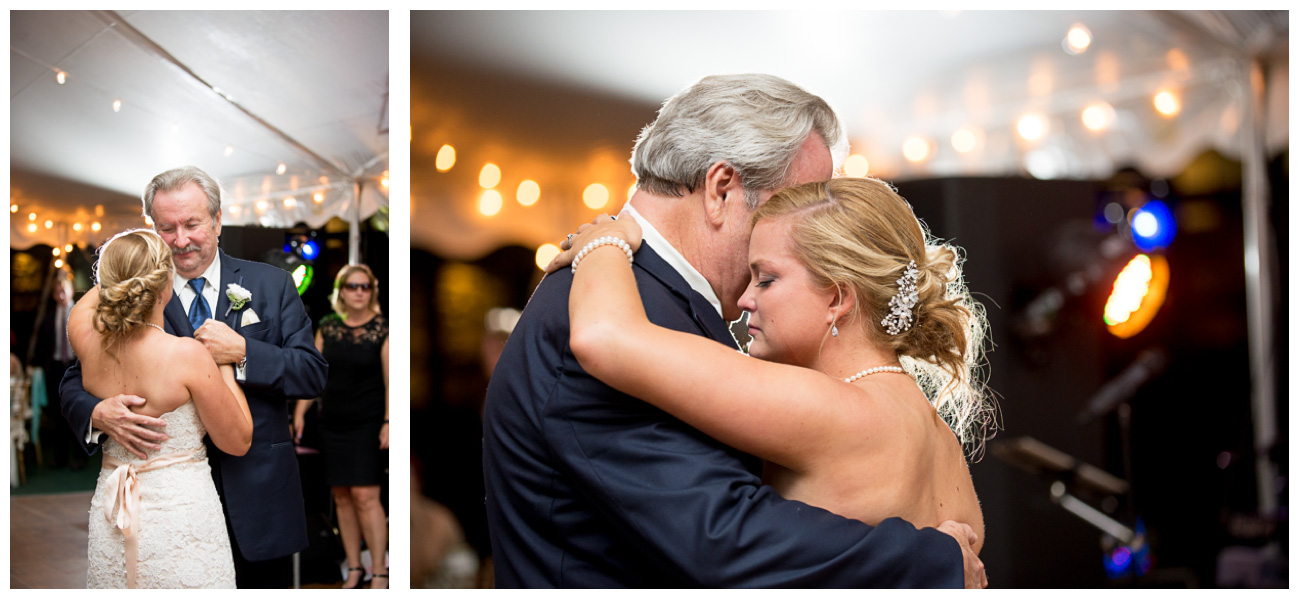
x=972 y=566
x=624 y=227
x=113 y=416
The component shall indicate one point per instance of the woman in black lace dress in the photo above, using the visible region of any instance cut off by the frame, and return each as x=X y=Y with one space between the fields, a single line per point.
x=354 y=418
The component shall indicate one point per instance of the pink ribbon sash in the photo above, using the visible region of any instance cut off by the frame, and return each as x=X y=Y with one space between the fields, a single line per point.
x=124 y=489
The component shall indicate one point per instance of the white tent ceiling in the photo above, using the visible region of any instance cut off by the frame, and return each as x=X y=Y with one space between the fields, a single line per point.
x=236 y=93
x=891 y=75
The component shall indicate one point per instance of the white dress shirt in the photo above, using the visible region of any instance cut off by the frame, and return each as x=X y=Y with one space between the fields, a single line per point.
x=693 y=278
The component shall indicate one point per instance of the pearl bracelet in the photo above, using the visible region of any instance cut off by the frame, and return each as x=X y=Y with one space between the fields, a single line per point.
x=608 y=240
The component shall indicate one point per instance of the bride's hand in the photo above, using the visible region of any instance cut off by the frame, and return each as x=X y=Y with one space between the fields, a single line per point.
x=624 y=227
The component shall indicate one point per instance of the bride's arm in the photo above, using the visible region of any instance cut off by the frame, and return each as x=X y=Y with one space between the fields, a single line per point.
x=788 y=415
x=218 y=397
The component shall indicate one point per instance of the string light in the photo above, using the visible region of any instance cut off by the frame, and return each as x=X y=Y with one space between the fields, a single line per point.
x=58 y=263
x=446 y=158
x=57 y=251
x=13 y=208
x=545 y=254
x=489 y=177
x=490 y=203
x=67 y=248
x=290 y=202
x=596 y=196
x=31 y=216
x=528 y=192
x=1077 y=39
x=76 y=227
x=95 y=226
x=318 y=197
x=280 y=169
x=1098 y=116
x=31 y=227
x=965 y=140
x=1031 y=127
x=49 y=224
x=856 y=165
x=916 y=149
x=1167 y=103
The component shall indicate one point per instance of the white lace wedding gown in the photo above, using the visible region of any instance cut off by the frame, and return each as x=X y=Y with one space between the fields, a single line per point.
x=180 y=531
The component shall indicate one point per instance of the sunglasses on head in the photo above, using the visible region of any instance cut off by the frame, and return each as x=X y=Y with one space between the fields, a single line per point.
x=365 y=287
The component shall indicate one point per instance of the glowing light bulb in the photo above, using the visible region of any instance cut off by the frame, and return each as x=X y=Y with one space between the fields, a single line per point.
x=58 y=263
x=95 y=226
x=545 y=254
x=489 y=177
x=1167 y=103
x=916 y=149
x=446 y=158
x=1077 y=39
x=596 y=196
x=31 y=227
x=61 y=77
x=318 y=197
x=290 y=202
x=528 y=192
x=117 y=106
x=67 y=248
x=856 y=165
x=280 y=169
x=13 y=208
x=1031 y=127
x=49 y=224
x=31 y=216
x=77 y=227
x=1098 y=116
x=57 y=251
x=963 y=140
x=490 y=203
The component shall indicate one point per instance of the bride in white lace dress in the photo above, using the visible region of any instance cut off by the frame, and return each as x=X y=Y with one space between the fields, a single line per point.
x=155 y=523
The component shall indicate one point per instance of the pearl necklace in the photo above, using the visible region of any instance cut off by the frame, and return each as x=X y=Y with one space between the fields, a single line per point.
x=156 y=327
x=873 y=371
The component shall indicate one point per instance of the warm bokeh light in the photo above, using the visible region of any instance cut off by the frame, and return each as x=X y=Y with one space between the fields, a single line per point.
x=261 y=206
x=76 y=226
x=67 y=248
x=58 y=263
x=61 y=77
x=1167 y=103
x=318 y=197
x=280 y=169
x=916 y=149
x=1078 y=39
x=384 y=180
x=964 y=140
x=95 y=226
x=489 y=177
x=49 y=224
x=230 y=150
x=1138 y=293
x=31 y=227
x=1032 y=127
x=57 y=251
x=446 y=158
x=528 y=192
x=1098 y=116
x=290 y=202
x=31 y=216
x=546 y=253
x=117 y=106
x=490 y=203
x=596 y=196
x=99 y=210
x=856 y=165
x=13 y=208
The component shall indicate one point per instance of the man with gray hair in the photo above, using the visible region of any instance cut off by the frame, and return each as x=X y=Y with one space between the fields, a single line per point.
x=267 y=336
x=588 y=487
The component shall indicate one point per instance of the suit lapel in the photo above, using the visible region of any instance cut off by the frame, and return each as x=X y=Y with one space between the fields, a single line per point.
x=701 y=310
x=174 y=318
x=229 y=275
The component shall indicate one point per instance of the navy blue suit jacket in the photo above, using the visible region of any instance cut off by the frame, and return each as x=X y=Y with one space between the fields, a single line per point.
x=589 y=487
x=261 y=491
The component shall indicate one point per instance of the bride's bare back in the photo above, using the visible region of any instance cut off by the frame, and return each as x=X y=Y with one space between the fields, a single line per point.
x=166 y=370
x=905 y=463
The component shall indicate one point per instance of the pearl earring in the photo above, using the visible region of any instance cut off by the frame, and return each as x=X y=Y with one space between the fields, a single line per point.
x=835 y=332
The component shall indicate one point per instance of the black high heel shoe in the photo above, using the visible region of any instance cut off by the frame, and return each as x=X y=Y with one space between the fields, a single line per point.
x=360 y=581
x=374 y=576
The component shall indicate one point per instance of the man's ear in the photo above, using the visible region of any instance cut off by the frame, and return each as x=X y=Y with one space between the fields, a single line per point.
x=721 y=185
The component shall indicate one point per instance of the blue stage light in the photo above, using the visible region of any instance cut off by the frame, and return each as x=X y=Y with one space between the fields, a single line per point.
x=310 y=249
x=1153 y=226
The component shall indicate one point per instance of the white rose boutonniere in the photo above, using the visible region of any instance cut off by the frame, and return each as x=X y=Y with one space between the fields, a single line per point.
x=238 y=297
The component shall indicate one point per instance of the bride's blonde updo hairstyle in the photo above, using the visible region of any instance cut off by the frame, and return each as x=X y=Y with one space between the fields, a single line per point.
x=134 y=268
x=859 y=235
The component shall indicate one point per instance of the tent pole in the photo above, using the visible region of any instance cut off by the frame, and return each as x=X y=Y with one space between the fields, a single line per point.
x=354 y=225
x=1261 y=268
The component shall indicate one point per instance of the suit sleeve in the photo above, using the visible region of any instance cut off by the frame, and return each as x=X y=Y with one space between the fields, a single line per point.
x=77 y=405
x=697 y=513
x=293 y=369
